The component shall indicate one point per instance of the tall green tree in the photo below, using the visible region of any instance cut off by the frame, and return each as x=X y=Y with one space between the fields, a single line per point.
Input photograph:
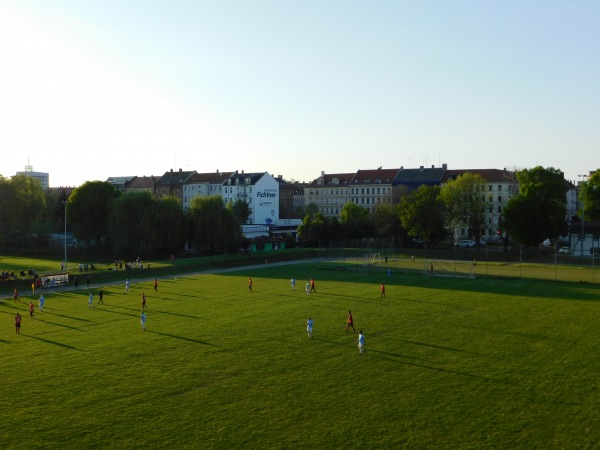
x=22 y=200
x=240 y=210
x=387 y=221
x=132 y=218
x=88 y=209
x=355 y=222
x=316 y=228
x=589 y=196
x=213 y=225
x=423 y=212
x=170 y=230
x=464 y=198
x=539 y=210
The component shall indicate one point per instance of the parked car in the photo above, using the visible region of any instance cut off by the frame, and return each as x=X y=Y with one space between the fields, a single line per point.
x=465 y=243
x=564 y=251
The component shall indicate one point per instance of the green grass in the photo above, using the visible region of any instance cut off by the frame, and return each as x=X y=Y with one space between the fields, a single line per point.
x=450 y=363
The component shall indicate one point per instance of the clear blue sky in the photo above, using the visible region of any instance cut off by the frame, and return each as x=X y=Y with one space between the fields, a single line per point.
x=92 y=89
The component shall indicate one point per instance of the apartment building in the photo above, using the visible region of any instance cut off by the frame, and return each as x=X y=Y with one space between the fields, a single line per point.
x=329 y=192
x=259 y=190
x=203 y=185
x=369 y=188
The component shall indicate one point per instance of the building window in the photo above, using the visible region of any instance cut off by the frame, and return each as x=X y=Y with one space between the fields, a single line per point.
x=499 y=198
x=490 y=187
x=499 y=188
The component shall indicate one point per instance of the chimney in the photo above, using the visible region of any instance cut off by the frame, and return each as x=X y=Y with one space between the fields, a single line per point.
x=433 y=166
x=322 y=173
x=445 y=166
x=180 y=170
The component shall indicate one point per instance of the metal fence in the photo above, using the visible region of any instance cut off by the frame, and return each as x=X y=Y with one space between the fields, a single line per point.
x=487 y=261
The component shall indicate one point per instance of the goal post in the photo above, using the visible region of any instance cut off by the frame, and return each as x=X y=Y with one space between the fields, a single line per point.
x=449 y=268
x=371 y=258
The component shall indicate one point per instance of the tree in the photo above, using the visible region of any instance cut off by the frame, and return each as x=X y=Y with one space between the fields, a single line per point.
x=539 y=210
x=22 y=199
x=464 y=199
x=422 y=213
x=213 y=225
x=88 y=209
x=132 y=218
x=317 y=228
x=240 y=210
x=386 y=220
x=355 y=222
x=589 y=196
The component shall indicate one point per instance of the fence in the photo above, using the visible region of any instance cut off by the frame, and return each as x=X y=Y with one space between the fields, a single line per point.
x=486 y=262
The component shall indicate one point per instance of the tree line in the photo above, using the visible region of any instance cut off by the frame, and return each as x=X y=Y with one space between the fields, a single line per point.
x=124 y=225
x=129 y=224
x=536 y=211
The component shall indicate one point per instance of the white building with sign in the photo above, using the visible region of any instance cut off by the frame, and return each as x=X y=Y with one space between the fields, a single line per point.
x=259 y=190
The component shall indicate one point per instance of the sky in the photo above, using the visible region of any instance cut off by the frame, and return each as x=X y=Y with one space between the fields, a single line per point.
x=98 y=89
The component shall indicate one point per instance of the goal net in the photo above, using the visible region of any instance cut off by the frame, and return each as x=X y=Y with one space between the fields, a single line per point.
x=448 y=268
x=371 y=258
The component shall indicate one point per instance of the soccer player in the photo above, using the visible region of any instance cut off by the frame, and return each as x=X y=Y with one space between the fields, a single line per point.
x=144 y=301
x=293 y=285
x=143 y=321
x=41 y=302
x=18 y=323
x=312 y=286
x=309 y=327
x=16 y=295
x=250 y=284
x=361 y=342
x=101 y=296
x=91 y=300
x=155 y=285
x=307 y=288
x=382 y=289
x=31 y=310
x=350 y=322
x=126 y=286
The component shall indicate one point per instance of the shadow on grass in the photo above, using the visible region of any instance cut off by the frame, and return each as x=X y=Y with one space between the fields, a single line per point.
x=183 y=338
x=48 y=341
x=69 y=317
x=60 y=325
x=382 y=354
x=150 y=311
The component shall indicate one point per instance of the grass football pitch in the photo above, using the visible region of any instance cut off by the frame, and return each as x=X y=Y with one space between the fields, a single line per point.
x=449 y=363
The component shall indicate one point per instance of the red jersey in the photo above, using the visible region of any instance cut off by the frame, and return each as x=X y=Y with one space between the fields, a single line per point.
x=350 y=320
x=18 y=320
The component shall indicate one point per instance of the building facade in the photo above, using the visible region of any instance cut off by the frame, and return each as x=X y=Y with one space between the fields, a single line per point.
x=329 y=192
x=500 y=186
x=369 y=188
x=259 y=190
x=171 y=184
x=203 y=185
x=42 y=177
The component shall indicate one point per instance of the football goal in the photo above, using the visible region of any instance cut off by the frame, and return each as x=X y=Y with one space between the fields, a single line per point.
x=371 y=258
x=449 y=268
